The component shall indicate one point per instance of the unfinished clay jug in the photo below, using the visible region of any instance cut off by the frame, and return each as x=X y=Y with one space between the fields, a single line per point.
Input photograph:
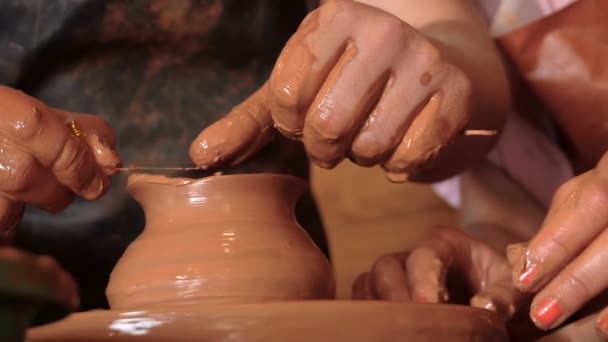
x=221 y=239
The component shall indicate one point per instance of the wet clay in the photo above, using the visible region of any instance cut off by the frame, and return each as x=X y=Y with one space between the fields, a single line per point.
x=219 y=239
x=419 y=143
x=246 y=129
x=318 y=93
x=223 y=256
x=293 y=321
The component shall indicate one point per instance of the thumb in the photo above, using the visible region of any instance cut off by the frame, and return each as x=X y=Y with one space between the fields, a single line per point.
x=237 y=136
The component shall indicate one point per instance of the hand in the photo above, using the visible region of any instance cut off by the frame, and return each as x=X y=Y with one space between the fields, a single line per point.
x=565 y=263
x=37 y=278
x=43 y=162
x=352 y=82
x=421 y=274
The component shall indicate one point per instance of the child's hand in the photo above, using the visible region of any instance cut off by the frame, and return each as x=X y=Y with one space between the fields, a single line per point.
x=353 y=82
x=421 y=274
x=566 y=261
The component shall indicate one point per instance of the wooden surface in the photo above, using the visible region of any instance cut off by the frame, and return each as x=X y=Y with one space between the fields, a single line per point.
x=367 y=216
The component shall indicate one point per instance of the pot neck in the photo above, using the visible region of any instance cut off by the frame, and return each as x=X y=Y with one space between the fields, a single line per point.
x=217 y=197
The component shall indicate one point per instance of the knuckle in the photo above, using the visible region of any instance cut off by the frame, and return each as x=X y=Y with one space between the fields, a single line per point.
x=338 y=7
x=582 y=284
x=326 y=129
x=563 y=191
x=462 y=81
x=557 y=246
x=595 y=192
x=283 y=93
x=431 y=55
x=72 y=157
x=30 y=124
x=392 y=28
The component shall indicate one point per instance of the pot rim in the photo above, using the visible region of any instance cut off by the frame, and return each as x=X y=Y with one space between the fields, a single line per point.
x=137 y=179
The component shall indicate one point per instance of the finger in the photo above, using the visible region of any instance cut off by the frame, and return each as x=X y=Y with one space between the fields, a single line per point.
x=361 y=287
x=50 y=282
x=66 y=287
x=238 y=135
x=398 y=106
x=343 y=104
x=37 y=129
x=388 y=279
x=438 y=122
x=579 y=282
x=426 y=272
x=305 y=62
x=572 y=225
x=517 y=253
x=23 y=179
x=500 y=295
x=99 y=136
x=11 y=213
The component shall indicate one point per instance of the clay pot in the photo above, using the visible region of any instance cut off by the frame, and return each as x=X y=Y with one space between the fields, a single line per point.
x=226 y=239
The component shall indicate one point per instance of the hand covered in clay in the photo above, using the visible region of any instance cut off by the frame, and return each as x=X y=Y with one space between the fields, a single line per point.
x=352 y=82
x=43 y=161
x=566 y=263
x=448 y=264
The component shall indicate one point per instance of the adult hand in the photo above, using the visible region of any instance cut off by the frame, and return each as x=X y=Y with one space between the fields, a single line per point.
x=352 y=82
x=421 y=274
x=565 y=263
x=43 y=162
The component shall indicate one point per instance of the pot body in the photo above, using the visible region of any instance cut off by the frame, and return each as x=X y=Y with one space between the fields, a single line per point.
x=219 y=239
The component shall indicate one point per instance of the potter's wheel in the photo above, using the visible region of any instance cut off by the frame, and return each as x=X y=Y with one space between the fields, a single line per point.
x=236 y=237
x=289 y=321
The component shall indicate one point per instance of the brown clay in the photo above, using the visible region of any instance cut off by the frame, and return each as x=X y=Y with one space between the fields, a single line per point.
x=295 y=321
x=419 y=142
x=229 y=247
x=219 y=239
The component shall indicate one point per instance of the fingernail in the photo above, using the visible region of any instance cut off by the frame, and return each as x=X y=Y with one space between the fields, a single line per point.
x=421 y=300
x=528 y=276
x=546 y=313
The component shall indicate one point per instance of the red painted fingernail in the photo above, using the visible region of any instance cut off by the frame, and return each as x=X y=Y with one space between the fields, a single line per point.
x=527 y=277
x=421 y=300
x=546 y=313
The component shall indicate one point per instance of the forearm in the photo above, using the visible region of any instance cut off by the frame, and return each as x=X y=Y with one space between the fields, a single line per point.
x=459 y=30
